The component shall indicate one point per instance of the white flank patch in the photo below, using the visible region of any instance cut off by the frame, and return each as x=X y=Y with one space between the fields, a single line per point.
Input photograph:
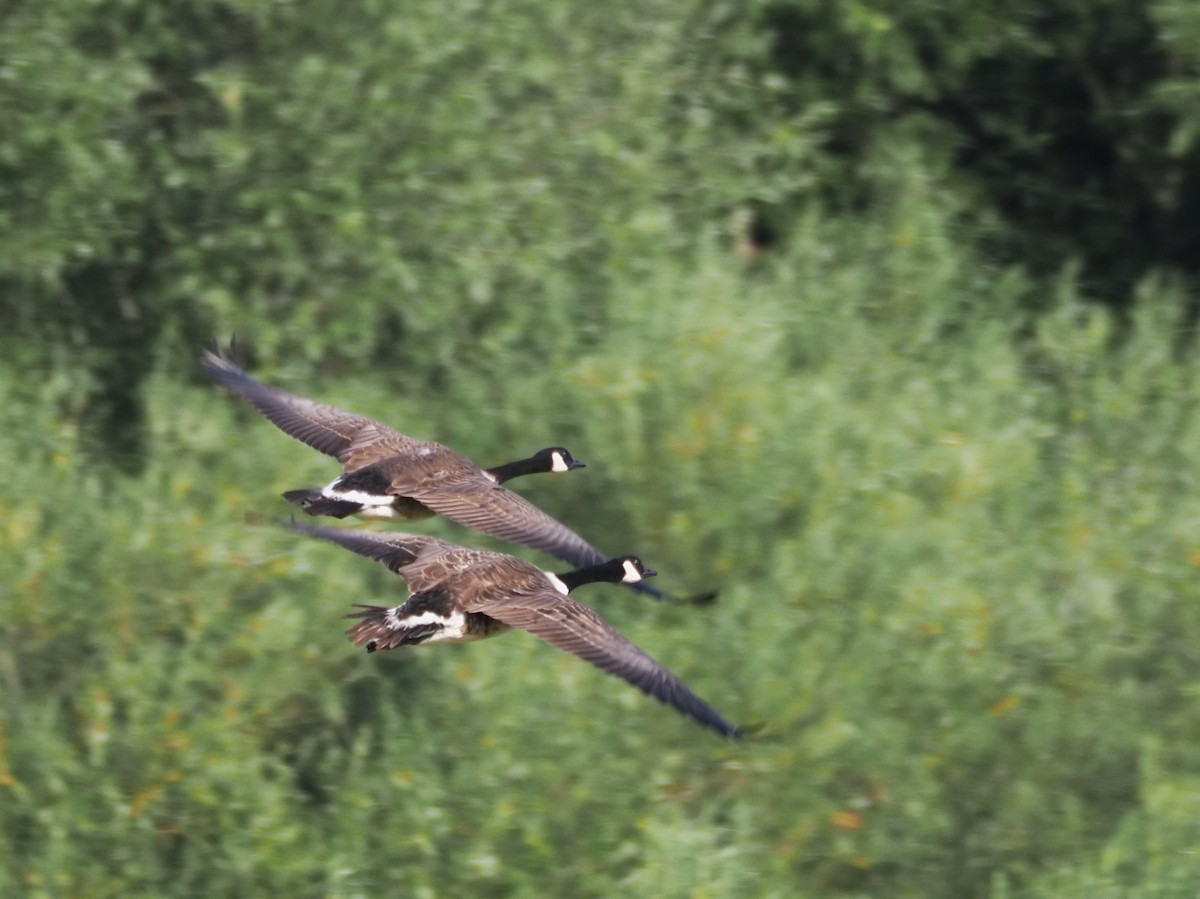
x=377 y=513
x=632 y=575
x=373 y=506
x=357 y=496
x=454 y=626
x=557 y=582
x=559 y=464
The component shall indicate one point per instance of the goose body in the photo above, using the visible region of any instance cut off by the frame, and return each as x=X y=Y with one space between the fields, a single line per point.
x=460 y=594
x=370 y=491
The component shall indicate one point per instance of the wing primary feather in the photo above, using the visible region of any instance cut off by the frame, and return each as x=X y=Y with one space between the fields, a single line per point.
x=509 y=516
x=573 y=627
x=325 y=428
x=394 y=551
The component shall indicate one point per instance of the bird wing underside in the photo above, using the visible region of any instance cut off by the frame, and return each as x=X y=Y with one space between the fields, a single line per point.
x=573 y=627
x=325 y=428
x=501 y=513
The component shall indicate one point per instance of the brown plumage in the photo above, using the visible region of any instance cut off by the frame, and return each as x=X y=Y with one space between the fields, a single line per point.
x=460 y=594
x=391 y=475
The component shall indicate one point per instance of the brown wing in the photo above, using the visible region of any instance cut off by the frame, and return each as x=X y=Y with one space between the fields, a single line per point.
x=396 y=551
x=447 y=564
x=423 y=562
x=478 y=503
x=573 y=627
x=420 y=466
x=328 y=429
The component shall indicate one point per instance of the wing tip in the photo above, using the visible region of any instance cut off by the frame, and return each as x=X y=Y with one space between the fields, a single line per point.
x=223 y=364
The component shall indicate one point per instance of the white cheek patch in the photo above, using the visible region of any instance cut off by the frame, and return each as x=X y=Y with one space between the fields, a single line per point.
x=632 y=575
x=559 y=465
x=557 y=582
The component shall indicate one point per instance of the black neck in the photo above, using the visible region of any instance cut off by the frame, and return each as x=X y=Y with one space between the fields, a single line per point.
x=612 y=571
x=511 y=470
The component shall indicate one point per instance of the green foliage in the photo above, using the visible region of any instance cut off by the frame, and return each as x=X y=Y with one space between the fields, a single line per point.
x=1071 y=125
x=755 y=275
x=393 y=186
x=957 y=581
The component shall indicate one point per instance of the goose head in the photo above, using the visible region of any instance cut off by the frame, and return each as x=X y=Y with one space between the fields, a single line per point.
x=557 y=459
x=618 y=570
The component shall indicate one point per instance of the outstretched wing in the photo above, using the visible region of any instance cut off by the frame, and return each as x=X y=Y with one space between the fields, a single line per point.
x=498 y=512
x=327 y=429
x=573 y=627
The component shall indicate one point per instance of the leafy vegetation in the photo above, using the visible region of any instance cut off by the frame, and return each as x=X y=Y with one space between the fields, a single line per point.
x=811 y=353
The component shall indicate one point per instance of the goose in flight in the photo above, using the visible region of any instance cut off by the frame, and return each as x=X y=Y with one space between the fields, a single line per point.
x=460 y=594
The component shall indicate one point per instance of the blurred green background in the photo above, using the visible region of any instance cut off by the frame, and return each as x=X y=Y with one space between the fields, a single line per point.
x=880 y=317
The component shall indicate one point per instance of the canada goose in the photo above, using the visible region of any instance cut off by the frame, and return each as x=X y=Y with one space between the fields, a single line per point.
x=390 y=475
x=365 y=492
x=459 y=594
